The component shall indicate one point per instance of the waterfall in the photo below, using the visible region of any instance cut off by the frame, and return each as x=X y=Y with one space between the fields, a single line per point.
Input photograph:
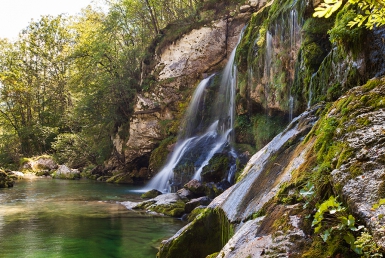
x=269 y=54
x=311 y=90
x=204 y=132
x=291 y=107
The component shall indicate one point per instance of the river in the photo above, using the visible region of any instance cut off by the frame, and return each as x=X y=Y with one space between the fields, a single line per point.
x=43 y=217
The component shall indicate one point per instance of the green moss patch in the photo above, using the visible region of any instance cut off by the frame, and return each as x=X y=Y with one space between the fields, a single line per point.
x=206 y=235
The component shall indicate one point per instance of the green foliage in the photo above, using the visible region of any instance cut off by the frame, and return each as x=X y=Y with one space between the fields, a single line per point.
x=331 y=217
x=73 y=150
x=371 y=12
x=34 y=77
x=327 y=8
x=368 y=247
x=10 y=152
x=341 y=33
x=78 y=76
x=307 y=193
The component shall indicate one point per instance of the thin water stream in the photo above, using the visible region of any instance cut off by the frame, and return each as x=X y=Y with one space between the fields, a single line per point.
x=44 y=217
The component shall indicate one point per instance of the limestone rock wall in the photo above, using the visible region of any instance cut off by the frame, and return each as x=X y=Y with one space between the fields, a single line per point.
x=179 y=69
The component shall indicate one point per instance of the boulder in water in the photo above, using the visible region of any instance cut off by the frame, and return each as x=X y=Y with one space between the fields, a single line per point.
x=16 y=174
x=40 y=163
x=64 y=172
x=217 y=168
x=151 y=194
x=195 y=187
x=5 y=180
x=168 y=204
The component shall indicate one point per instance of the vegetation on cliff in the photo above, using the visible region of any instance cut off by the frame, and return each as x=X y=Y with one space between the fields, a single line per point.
x=340 y=177
x=69 y=83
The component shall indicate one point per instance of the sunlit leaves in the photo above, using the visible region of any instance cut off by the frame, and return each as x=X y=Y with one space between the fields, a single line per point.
x=327 y=8
x=371 y=12
x=371 y=16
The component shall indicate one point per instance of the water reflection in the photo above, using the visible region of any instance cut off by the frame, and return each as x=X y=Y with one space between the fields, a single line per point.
x=59 y=218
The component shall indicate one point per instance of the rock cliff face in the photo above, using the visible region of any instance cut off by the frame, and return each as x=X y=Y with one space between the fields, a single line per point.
x=288 y=61
x=267 y=170
x=178 y=69
x=264 y=214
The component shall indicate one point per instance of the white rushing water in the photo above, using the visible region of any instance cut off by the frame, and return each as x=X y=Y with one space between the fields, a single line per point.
x=197 y=145
x=291 y=107
x=311 y=90
x=255 y=166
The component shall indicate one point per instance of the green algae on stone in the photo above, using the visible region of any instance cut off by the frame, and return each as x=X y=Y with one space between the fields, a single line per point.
x=195 y=212
x=150 y=194
x=217 y=168
x=159 y=155
x=205 y=235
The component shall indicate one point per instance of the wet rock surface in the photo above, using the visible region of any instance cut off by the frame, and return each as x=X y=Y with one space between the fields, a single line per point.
x=260 y=182
x=361 y=178
x=179 y=69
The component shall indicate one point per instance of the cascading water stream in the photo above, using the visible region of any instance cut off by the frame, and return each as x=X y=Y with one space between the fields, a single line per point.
x=311 y=90
x=291 y=107
x=219 y=144
x=197 y=145
x=160 y=181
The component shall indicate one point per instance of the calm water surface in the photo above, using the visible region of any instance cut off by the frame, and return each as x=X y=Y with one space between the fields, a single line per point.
x=42 y=217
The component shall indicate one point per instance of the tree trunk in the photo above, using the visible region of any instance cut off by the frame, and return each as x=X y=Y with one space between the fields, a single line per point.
x=153 y=18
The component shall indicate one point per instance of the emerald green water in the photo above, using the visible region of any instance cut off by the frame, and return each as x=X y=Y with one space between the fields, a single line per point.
x=43 y=217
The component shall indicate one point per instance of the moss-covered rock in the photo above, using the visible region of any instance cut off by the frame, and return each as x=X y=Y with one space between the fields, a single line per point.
x=43 y=165
x=159 y=155
x=217 y=168
x=121 y=178
x=6 y=181
x=195 y=187
x=205 y=235
x=151 y=194
x=169 y=204
x=195 y=212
